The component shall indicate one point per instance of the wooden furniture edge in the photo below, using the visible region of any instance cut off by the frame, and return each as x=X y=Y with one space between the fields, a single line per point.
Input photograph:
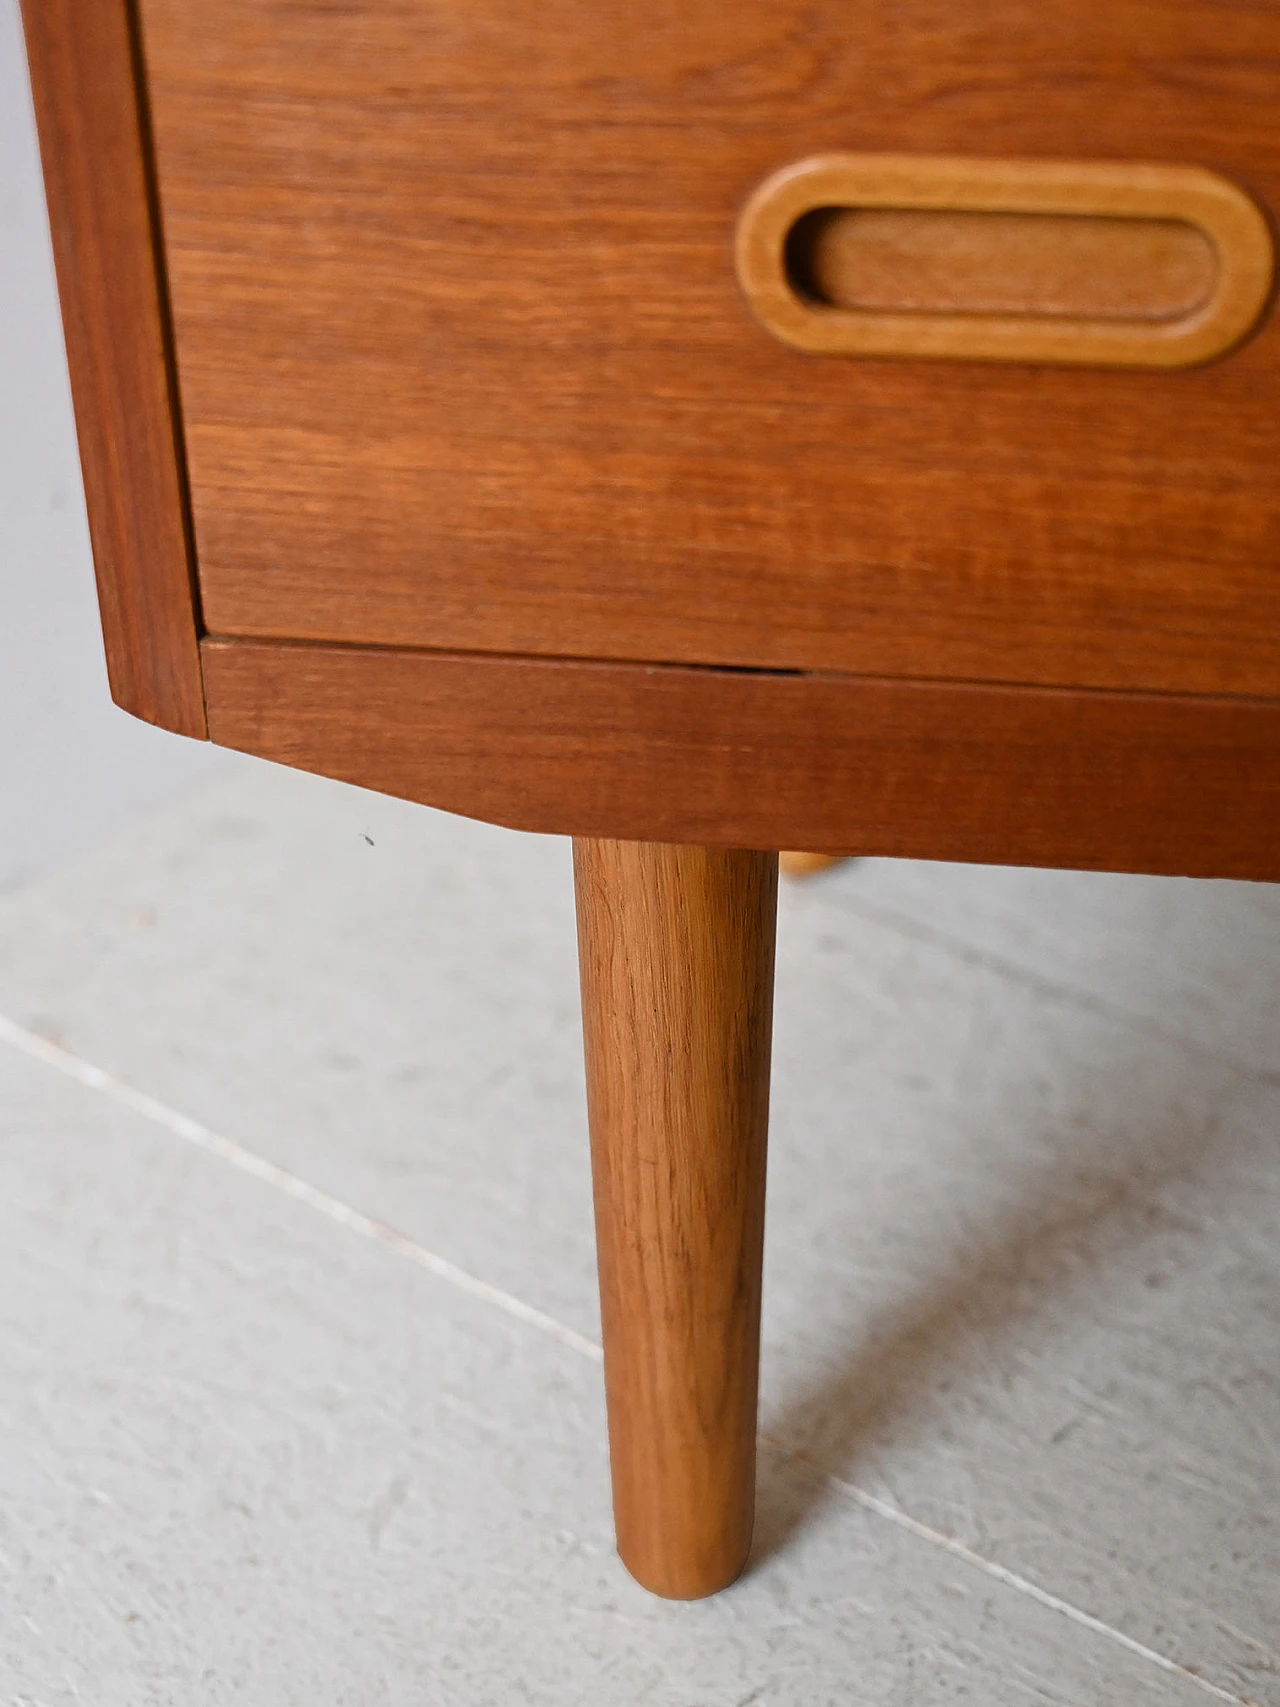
x=94 y=142
x=1006 y=775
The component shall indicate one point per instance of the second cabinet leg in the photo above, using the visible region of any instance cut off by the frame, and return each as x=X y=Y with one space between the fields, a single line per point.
x=676 y=946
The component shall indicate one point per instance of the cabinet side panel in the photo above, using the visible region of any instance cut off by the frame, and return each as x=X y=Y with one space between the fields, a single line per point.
x=93 y=142
x=926 y=770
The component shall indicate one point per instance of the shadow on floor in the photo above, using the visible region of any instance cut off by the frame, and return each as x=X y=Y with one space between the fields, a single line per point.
x=1102 y=1198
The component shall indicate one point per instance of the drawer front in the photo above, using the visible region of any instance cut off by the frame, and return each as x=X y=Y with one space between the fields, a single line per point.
x=464 y=362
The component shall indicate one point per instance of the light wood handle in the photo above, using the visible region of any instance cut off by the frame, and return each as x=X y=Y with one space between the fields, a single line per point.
x=1005 y=260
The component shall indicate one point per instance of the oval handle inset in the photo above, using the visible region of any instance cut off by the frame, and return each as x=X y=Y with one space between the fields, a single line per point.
x=1005 y=260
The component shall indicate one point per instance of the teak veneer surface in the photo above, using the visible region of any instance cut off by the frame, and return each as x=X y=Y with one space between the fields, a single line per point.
x=464 y=363
x=92 y=120
x=929 y=770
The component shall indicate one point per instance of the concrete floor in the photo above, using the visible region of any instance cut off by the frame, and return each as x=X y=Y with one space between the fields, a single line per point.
x=299 y=1396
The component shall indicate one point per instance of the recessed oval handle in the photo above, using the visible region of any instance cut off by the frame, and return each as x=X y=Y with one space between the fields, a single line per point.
x=1005 y=260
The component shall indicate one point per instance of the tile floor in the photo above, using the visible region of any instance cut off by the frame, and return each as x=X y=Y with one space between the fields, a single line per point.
x=299 y=1397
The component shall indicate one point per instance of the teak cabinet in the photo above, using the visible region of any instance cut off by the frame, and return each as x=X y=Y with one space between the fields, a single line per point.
x=692 y=427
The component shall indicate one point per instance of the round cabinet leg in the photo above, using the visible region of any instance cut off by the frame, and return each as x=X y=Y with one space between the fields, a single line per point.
x=797 y=864
x=676 y=950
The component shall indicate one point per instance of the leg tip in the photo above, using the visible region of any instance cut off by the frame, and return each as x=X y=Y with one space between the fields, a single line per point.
x=796 y=864
x=689 y=1578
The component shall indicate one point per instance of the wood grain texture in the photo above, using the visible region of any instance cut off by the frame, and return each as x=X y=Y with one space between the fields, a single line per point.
x=466 y=365
x=676 y=949
x=93 y=143
x=1119 y=782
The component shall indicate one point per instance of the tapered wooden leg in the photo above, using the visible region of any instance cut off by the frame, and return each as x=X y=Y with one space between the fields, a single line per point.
x=676 y=948
x=797 y=864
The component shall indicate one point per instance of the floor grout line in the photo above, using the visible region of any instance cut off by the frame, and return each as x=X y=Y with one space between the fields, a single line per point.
x=202 y=1137
x=270 y=1173
x=1002 y=1574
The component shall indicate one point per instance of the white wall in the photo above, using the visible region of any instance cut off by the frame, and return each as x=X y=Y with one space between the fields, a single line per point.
x=72 y=766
